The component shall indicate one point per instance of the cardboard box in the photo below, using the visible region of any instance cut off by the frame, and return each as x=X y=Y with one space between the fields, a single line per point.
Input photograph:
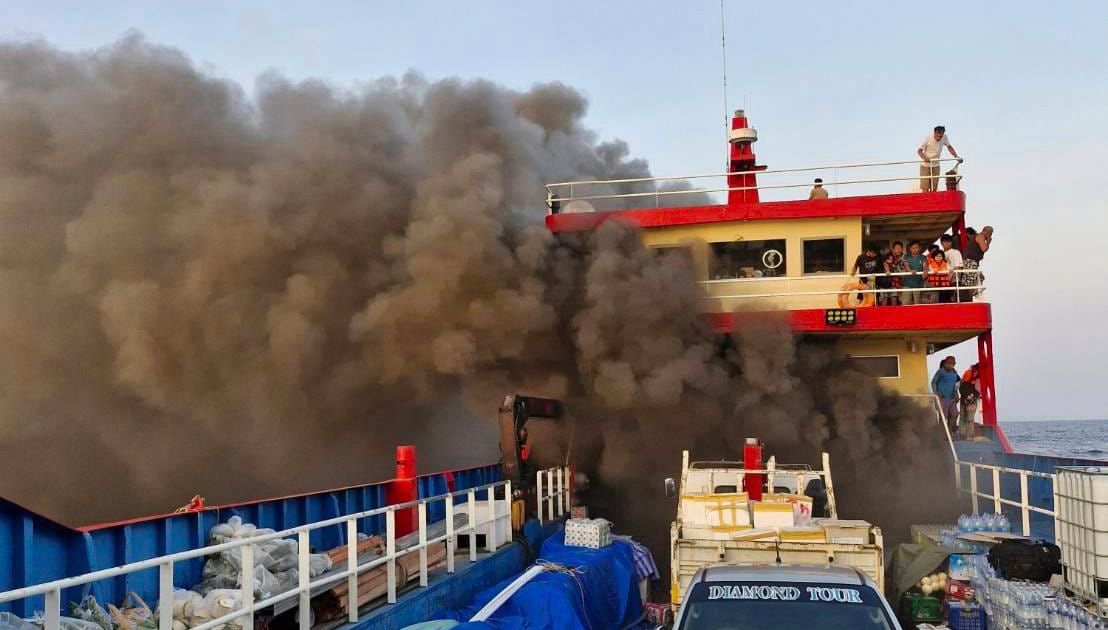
x=802 y=505
x=803 y=534
x=846 y=532
x=773 y=515
x=724 y=511
x=578 y=511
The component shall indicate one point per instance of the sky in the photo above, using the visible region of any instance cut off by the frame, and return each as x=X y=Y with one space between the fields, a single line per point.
x=1022 y=88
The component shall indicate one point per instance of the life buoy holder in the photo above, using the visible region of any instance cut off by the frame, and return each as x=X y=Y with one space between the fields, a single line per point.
x=849 y=298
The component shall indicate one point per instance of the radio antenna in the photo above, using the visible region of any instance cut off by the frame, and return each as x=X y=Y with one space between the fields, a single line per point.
x=726 y=119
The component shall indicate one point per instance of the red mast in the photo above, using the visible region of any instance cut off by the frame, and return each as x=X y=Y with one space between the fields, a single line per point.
x=742 y=139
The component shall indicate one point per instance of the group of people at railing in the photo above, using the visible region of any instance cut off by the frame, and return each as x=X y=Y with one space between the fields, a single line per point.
x=958 y=396
x=941 y=274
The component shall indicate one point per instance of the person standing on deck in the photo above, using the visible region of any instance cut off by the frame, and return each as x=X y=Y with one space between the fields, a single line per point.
x=915 y=263
x=976 y=247
x=970 y=395
x=929 y=152
x=818 y=191
x=945 y=385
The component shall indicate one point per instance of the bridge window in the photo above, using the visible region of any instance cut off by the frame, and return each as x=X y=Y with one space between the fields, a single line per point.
x=674 y=252
x=824 y=255
x=748 y=259
x=887 y=366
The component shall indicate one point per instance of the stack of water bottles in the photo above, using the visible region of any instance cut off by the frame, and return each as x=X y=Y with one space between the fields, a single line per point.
x=971 y=524
x=1017 y=605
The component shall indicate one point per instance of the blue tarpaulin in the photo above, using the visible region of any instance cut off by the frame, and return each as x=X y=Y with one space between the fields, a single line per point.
x=600 y=593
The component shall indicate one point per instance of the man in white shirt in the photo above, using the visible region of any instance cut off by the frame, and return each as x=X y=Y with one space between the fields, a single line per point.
x=952 y=255
x=929 y=152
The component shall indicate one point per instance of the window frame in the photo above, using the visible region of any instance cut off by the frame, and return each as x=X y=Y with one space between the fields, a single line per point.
x=784 y=267
x=899 y=372
x=804 y=257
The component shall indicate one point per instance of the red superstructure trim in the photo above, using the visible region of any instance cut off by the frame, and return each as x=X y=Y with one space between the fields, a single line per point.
x=1003 y=439
x=868 y=206
x=974 y=316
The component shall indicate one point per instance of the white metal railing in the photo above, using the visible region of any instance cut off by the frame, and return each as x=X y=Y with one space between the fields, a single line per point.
x=995 y=496
x=957 y=286
x=554 y=191
x=552 y=492
x=53 y=590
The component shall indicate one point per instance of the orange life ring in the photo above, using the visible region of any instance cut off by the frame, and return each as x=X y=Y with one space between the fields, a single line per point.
x=848 y=298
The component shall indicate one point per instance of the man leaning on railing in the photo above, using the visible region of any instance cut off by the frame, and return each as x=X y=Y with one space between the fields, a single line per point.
x=929 y=152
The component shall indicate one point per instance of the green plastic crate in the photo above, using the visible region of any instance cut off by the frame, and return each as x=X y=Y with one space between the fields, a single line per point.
x=919 y=608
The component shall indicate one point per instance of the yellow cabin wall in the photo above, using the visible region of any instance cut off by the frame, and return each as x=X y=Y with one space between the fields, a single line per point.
x=795 y=232
x=914 y=378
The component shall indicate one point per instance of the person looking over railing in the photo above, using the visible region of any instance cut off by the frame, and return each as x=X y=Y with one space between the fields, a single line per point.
x=929 y=152
x=887 y=297
x=898 y=266
x=938 y=276
x=915 y=263
x=976 y=246
x=944 y=384
x=818 y=191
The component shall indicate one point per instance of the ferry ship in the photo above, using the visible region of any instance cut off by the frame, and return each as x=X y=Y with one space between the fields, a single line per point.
x=767 y=247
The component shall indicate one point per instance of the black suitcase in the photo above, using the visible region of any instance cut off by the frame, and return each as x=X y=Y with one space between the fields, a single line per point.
x=1026 y=560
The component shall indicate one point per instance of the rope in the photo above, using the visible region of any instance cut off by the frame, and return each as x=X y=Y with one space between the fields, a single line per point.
x=573 y=573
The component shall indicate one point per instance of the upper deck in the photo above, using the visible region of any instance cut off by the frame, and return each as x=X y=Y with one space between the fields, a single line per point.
x=770 y=247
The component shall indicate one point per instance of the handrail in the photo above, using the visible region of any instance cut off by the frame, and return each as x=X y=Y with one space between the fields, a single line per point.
x=788 y=280
x=552 y=195
x=751 y=172
x=52 y=590
x=995 y=496
x=556 y=488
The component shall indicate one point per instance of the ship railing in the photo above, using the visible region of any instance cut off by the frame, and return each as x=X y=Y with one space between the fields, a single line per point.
x=958 y=285
x=497 y=534
x=566 y=192
x=995 y=474
x=552 y=493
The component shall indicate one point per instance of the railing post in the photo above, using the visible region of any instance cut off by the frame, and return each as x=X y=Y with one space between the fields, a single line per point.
x=561 y=493
x=508 y=506
x=53 y=609
x=423 y=543
x=958 y=474
x=569 y=485
x=973 y=486
x=352 y=568
x=1025 y=513
x=550 y=494
x=490 y=537
x=451 y=542
x=165 y=596
x=390 y=553
x=996 y=491
x=246 y=585
x=538 y=495
x=305 y=609
x=471 y=502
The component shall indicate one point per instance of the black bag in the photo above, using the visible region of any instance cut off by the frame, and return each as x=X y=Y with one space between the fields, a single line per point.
x=1026 y=560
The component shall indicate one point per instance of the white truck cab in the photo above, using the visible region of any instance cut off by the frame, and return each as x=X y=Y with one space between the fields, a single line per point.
x=783 y=597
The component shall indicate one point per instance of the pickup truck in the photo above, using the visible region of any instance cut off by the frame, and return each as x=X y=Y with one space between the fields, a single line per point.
x=783 y=597
x=794 y=522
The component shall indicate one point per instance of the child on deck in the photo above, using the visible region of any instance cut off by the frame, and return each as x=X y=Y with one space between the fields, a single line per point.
x=885 y=283
x=938 y=276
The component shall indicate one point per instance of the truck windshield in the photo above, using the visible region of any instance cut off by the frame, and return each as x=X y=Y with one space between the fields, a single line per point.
x=783 y=605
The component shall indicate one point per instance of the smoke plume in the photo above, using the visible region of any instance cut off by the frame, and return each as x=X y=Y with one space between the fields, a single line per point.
x=240 y=296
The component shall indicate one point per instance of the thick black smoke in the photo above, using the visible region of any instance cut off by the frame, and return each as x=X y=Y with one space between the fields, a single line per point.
x=204 y=292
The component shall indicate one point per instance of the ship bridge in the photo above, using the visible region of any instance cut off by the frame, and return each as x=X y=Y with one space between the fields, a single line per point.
x=775 y=245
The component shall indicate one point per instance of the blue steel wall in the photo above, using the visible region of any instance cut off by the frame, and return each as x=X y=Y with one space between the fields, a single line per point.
x=34 y=549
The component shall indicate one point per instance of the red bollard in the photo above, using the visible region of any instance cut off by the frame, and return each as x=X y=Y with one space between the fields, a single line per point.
x=404 y=488
x=752 y=460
